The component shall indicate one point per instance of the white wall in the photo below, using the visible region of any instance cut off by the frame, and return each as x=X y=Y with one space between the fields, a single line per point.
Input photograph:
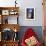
x=37 y=4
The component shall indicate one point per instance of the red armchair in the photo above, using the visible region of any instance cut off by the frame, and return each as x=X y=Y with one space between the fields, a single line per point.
x=29 y=34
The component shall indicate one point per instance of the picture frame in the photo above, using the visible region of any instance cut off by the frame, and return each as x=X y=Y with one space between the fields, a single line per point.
x=5 y=12
x=30 y=13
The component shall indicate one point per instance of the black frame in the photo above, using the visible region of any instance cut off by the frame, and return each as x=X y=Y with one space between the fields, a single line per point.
x=30 y=13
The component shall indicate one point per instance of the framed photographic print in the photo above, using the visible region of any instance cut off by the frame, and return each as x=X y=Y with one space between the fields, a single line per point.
x=5 y=12
x=30 y=14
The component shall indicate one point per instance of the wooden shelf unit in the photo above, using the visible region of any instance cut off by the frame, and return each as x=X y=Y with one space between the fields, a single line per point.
x=9 y=11
x=15 y=11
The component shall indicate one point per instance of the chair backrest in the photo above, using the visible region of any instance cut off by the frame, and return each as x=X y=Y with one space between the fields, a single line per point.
x=29 y=32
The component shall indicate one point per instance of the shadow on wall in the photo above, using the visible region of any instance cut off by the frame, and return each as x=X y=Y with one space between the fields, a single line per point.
x=37 y=29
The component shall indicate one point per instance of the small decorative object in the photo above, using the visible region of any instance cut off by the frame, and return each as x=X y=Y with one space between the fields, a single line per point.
x=15 y=3
x=5 y=12
x=7 y=34
x=15 y=30
x=30 y=14
x=13 y=12
x=15 y=35
x=6 y=21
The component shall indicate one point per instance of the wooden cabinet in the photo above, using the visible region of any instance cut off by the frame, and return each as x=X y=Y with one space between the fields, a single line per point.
x=5 y=26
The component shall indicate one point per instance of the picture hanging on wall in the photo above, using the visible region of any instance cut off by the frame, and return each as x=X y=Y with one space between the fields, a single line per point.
x=30 y=14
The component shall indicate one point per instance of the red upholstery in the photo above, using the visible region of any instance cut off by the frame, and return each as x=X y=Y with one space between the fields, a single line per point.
x=29 y=33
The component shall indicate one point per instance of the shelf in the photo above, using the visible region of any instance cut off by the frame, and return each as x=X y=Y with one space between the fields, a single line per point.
x=10 y=26
x=5 y=12
x=10 y=19
x=11 y=41
x=6 y=24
